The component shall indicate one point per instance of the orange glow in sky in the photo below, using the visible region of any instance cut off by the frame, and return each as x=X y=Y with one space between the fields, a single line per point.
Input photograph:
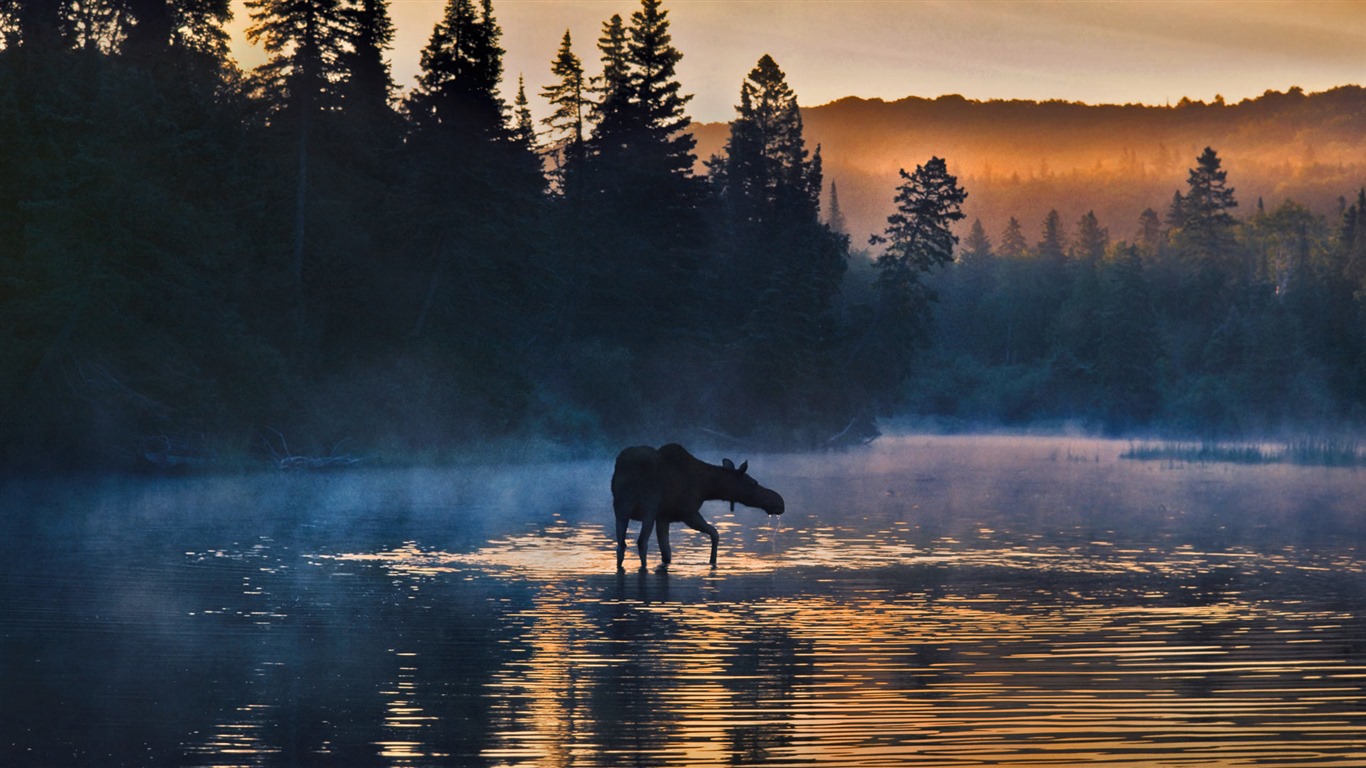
x=1151 y=52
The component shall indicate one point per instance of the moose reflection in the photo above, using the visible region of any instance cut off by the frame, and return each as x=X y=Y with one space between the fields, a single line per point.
x=668 y=485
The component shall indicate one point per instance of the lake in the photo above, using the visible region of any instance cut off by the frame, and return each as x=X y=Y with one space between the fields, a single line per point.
x=937 y=601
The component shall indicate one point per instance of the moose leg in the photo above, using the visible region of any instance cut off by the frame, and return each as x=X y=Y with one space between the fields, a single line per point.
x=622 y=522
x=666 y=554
x=642 y=543
x=700 y=525
x=647 y=524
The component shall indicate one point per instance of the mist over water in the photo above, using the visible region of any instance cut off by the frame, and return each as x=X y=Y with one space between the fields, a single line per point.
x=924 y=601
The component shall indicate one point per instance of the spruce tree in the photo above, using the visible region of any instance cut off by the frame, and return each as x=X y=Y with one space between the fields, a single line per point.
x=462 y=65
x=1206 y=230
x=835 y=218
x=1128 y=345
x=643 y=202
x=765 y=169
x=1052 y=246
x=977 y=247
x=1091 y=239
x=305 y=40
x=523 y=129
x=1149 y=234
x=655 y=90
x=919 y=238
x=779 y=266
x=369 y=84
x=566 y=123
x=613 y=87
x=1013 y=243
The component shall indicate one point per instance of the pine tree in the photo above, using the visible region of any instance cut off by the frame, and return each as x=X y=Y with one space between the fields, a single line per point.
x=1206 y=233
x=765 y=169
x=977 y=247
x=523 y=130
x=613 y=87
x=835 y=218
x=152 y=28
x=1091 y=239
x=1176 y=212
x=304 y=39
x=369 y=84
x=779 y=266
x=306 y=43
x=655 y=89
x=462 y=65
x=919 y=238
x=1149 y=235
x=643 y=204
x=1013 y=244
x=1052 y=247
x=566 y=124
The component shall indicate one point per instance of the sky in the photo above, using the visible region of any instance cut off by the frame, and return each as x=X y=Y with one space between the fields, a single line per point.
x=1142 y=51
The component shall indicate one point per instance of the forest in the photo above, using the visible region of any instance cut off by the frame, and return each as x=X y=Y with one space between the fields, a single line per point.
x=201 y=266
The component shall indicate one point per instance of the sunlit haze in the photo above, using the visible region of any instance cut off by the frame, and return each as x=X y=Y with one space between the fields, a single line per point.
x=1096 y=52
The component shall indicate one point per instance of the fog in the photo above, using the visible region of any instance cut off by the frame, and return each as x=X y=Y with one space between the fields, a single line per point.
x=474 y=614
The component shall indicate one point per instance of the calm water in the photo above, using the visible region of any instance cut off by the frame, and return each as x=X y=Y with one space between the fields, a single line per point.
x=925 y=602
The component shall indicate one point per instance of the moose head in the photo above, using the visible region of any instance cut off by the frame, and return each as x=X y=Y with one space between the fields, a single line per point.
x=746 y=490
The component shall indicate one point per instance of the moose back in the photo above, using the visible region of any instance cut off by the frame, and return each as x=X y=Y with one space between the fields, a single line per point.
x=667 y=485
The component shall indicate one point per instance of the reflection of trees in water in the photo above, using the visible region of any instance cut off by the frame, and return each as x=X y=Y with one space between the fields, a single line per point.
x=762 y=675
x=628 y=701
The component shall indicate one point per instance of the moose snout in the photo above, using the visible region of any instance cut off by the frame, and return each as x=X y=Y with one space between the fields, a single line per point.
x=776 y=507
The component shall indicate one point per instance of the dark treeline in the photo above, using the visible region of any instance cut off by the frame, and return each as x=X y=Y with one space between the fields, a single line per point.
x=201 y=265
x=1198 y=322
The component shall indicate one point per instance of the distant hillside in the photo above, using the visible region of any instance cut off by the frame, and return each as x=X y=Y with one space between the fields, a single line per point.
x=1022 y=158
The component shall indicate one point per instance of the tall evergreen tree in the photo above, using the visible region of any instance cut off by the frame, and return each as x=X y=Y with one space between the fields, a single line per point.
x=613 y=86
x=645 y=201
x=567 y=121
x=1091 y=239
x=305 y=40
x=1052 y=247
x=1206 y=229
x=779 y=266
x=656 y=92
x=1149 y=235
x=1013 y=243
x=977 y=247
x=462 y=66
x=1128 y=348
x=151 y=28
x=369 y=84
x=765 y=169
x=523 y=129
x=919 y=238
x=835 y=217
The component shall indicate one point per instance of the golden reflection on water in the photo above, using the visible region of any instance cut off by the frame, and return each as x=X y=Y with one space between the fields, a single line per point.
x=699 y=667
x=965 y=613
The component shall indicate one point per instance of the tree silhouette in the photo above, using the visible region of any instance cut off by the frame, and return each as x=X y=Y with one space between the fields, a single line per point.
x=305 y=40
x=779 y=266
x=462 y=65
x=369 y=85
x=919 y=238
x=566 y=123
x=1013 y=243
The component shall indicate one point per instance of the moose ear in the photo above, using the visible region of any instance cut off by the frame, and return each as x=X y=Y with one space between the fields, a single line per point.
x=727 y=463
x=744 y=466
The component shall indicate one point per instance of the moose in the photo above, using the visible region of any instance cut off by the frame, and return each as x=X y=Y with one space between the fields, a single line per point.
x=668 y=485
